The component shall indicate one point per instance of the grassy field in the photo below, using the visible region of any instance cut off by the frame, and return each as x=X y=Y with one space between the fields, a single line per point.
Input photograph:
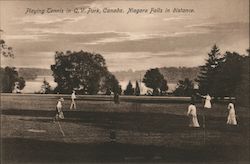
x=145 y=132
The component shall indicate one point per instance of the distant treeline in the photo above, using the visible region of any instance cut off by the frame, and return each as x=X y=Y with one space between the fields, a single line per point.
x=32 y=73
x=172 y=74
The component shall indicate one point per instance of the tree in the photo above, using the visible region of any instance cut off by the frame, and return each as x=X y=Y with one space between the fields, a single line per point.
x=109 y=84
x=242 y=92
x=137 y=89
x=153 y=79
x=184 y=88
x=78 y=70
x=5 y=50
x=46 y=88
x=21 y=82
x=9 y=76
x=206 y=78
x=228 y=76
x=129 y=89
x=233 y=79
x=163 y=87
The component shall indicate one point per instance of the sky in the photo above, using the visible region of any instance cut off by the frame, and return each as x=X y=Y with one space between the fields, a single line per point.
x=136 y=41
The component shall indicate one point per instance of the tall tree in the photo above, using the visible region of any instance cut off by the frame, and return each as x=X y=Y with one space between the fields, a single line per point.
x=137 y=89
x=78 y=70
x=228 y=76
x=153 y=79
x=233 y=80
x=206 y=78
x=129 y=89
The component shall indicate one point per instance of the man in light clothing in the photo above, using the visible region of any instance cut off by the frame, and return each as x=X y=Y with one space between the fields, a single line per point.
x=73 y=103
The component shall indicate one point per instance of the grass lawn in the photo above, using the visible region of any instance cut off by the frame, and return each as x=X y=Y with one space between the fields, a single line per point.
x=144 y=133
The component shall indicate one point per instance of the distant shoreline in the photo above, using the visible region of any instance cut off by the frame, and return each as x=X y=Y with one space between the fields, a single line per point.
x=171 y=74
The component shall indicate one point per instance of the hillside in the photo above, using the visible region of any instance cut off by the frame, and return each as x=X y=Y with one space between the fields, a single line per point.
x=172 y=74
x=32 y=73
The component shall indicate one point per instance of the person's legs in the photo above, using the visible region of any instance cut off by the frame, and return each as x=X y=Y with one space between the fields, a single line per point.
x=73 y=104
x=56 y=115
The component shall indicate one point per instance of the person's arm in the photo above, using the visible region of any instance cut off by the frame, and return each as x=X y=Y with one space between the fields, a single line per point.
x=199 y=94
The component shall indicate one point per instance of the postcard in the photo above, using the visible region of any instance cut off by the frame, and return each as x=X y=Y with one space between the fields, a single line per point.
x=126 y=81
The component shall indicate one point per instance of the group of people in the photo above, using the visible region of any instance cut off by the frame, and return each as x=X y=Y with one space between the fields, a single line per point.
x=59 y=112
x=192 y=114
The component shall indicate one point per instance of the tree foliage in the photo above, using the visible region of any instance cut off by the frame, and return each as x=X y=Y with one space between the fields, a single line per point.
x=163 y=87
x=242 y=89
x=155 y=80
x=110 y=84
x=129 y=89
x=9 y=76
x=206 y=78
x=46 y=88
x=137 y=89
x=233 y=78
x=81 y=70
x=226 y=75
x=184 y=88
x=5 y=50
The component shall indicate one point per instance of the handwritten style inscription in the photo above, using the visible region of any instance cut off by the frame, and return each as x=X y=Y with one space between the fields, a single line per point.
x=107 y=10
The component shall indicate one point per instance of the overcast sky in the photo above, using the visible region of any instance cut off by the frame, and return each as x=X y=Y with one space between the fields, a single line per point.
x=127 y=41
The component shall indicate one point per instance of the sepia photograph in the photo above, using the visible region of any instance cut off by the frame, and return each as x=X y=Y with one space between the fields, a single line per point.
x=124 y=81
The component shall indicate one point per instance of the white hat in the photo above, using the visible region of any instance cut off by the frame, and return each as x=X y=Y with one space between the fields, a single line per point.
x=61 y=99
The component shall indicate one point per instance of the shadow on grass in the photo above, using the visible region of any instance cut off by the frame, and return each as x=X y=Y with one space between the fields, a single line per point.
x=30 y=150
x=133 y=121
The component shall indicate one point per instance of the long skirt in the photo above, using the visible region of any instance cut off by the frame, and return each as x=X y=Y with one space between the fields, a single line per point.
x=231 y=120
x=193 y=121
x=207 y=104
x=59 y=114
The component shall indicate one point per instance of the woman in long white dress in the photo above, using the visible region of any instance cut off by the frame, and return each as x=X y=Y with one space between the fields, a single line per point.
x=231 y=118
x=59 y=114
x=207 y=101
x=192 y=116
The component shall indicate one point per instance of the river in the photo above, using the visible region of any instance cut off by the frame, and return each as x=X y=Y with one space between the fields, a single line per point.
x=35 y=85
